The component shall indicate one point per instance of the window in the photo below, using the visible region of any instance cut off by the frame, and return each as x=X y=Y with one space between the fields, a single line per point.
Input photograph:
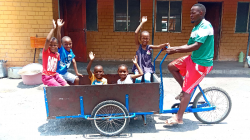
x=168 y=17
x=127 y=15
x=242 y=19
x=91 y=15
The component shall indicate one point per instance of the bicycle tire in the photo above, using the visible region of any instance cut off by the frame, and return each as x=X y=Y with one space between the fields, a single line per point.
x=210 y=93
x=110 y=108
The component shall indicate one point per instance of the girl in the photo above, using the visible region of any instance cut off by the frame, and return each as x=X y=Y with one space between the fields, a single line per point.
x=123 y=73
x=50 y=59
x=144 y=53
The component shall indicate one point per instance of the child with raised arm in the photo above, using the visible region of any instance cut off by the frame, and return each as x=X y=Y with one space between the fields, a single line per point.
x=144 y=53
x=50 y=59
x=96 y=78
x=66 y=57
x=123 y=73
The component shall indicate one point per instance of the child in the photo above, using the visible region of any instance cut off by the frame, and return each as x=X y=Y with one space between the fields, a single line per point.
x=125 y=77
x=50 y=59
x=144 y=53
x=96 y=78
x=66 y=56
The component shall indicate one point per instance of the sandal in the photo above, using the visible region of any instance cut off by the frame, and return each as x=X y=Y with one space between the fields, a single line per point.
x=172 y=121
x=179 y=96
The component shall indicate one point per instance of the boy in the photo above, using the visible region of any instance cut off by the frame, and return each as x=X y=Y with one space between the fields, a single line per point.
x=96 y=78
x=66 y=56
x=50 y=58
x=144 y=53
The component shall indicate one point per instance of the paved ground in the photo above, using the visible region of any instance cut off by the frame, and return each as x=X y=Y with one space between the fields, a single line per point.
x=23 y=115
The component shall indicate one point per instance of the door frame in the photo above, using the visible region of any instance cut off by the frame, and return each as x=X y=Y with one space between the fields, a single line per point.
x=61 y=7
x=216 y=55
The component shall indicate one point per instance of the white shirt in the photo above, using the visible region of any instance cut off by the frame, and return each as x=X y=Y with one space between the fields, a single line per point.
x=128 y=80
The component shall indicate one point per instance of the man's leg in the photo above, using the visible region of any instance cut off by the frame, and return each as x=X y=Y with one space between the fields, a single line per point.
x=176 y=73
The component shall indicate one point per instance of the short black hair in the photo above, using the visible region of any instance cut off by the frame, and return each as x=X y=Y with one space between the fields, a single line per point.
x=145 y=32
x=53 y=38
x=65 y=37
x=202 y=7
x=123 y=65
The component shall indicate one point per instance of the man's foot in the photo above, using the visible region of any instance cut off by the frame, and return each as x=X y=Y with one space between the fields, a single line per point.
x=179 y=96
x=172 y=121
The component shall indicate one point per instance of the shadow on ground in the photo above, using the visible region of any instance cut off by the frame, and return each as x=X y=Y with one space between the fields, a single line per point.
x=80 y=126
x=23 y=86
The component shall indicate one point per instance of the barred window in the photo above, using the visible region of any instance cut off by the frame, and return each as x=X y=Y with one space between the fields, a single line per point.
x=91 y=15
x=127 y=15
x=168 y=17
x=242 y=18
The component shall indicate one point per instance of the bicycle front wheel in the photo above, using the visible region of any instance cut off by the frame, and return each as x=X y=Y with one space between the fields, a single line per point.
x=110 y=127
x=217 y=97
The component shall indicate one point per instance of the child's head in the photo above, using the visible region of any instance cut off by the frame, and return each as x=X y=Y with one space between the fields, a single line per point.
x=98 y=71
x=67 y=43
x=145 y=37
x=53 y=45
x=122 y=71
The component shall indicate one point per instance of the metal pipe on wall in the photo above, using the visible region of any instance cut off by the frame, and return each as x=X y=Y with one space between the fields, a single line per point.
x=153 y=23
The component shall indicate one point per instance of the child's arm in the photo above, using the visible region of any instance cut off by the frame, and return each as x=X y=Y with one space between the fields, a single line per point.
x=75 y=67
x=161 y=46
x=46 y=46
x=91 y=58
x=60 y=23
x=137 y=43
x=133 y=76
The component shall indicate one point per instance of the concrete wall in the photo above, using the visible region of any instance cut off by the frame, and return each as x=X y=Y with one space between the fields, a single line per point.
x=110 y=45
x=19 y=20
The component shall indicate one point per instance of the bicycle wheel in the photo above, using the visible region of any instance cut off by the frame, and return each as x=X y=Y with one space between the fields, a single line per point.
x=110 y=127
x=216 y=97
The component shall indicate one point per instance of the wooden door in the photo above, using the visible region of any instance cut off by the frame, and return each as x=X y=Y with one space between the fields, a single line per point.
x=73 y=12
x=213 y=15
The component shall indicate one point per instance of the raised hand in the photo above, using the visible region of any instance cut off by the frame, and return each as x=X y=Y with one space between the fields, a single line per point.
x=60 y=22
x=54 y=24
x=135 y=60
x=91 y=56
x=144 y=19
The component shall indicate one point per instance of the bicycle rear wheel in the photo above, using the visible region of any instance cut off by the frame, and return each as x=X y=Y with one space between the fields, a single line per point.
x=217 y=97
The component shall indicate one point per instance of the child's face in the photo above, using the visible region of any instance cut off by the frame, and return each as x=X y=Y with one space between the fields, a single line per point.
x=144 y=38
x=98 y=72
x=123 y=72
x=53 y=46
x=67 y=44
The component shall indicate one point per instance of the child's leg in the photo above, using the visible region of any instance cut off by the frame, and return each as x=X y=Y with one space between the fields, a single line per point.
x=50 y=81
x=60 y=80
x=71 y=78
x=147 y=77
x=138 y=80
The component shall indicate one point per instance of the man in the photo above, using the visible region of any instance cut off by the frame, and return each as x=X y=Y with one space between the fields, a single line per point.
x=195 y=66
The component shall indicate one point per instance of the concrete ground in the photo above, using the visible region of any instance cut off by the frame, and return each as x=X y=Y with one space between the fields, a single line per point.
x=220 y=67
x=23 y=115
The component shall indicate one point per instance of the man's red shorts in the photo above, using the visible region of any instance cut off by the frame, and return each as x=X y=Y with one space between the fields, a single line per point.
x=193 y=72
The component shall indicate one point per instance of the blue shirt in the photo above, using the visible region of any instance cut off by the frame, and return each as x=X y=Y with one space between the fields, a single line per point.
x=65 y=60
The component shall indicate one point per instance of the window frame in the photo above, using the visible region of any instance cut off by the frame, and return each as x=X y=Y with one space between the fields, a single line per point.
x=247 y=28
x=96 y=18
x=127 y=17
x=168 y=16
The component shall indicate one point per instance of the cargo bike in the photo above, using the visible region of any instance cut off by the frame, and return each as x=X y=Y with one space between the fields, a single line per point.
x=110 y=107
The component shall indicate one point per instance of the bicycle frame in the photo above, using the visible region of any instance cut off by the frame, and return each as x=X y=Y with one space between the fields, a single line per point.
x=175 y=110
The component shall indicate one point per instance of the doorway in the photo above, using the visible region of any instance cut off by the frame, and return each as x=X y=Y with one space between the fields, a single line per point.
x=213 y=15
x=73 y=12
